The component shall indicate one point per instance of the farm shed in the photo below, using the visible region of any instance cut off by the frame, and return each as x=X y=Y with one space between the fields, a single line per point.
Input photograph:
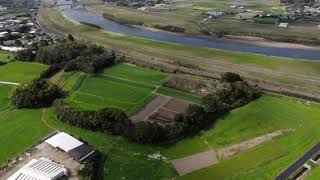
x=42 y=169
x=75 y=148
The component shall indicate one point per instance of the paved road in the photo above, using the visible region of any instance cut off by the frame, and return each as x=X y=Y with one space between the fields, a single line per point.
x=299 y=163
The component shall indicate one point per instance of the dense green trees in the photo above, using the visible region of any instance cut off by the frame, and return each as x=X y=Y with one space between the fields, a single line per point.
x=108 y=120
x=25 y=55
x=70 y=56
x=38 y=94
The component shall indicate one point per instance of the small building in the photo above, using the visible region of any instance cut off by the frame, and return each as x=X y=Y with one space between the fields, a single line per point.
x=42 y=169
x=283 y=25
x=75 y=148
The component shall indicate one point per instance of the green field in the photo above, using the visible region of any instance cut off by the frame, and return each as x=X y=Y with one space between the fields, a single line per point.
x=267 y=160
x=20 y=72
x=123 y=86
x=19 y=130
x=5 y=101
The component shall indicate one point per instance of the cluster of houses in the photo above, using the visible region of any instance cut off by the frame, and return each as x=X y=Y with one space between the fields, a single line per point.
x=22 y=33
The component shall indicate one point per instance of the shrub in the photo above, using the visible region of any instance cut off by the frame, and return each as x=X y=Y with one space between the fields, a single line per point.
x=230 y=77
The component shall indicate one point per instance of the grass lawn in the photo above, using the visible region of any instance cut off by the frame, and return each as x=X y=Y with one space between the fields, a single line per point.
x=20 y=72
x=5 y=101
x=135 y=73
x=19 y=129
x=179 y=94
x=262 y=116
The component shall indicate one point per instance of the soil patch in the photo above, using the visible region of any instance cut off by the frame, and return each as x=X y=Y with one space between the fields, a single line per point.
x=162 y=110
x=234 y=149
x=195 y=162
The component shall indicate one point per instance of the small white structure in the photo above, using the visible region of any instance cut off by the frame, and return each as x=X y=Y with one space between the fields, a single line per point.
x=42 y=169
x=64 y=141
x=283 y=25
x=75 y=148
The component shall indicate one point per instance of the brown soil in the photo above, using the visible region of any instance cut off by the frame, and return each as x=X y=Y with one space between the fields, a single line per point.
x=195 y=162
x=162 y=110
x=149 y=109
x=234 y=149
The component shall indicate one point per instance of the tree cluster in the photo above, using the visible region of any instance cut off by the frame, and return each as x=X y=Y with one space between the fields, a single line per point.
x=197 y=117
x=217 y=104
x=74 y=56
x=38 y=94
x=108 y=120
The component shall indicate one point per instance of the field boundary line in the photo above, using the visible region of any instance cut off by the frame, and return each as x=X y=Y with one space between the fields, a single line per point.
x=10 y=83
x=43 y=119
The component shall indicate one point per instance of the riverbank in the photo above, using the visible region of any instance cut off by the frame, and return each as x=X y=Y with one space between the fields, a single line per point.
x=257 y=41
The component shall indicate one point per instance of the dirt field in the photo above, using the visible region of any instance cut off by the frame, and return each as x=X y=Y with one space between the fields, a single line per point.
x=195 y=162
x=150 y=108
x=234 y=149
x=161 y=110
x=45 y=150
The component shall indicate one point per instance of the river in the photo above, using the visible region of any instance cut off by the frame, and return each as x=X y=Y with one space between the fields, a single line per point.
x=79 y=15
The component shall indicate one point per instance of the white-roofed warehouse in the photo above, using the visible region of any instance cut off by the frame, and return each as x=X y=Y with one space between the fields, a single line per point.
x=75 y=148
x=42 y=169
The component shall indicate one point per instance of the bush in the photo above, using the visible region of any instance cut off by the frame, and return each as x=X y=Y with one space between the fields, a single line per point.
x=230 y=77
x=38 y=94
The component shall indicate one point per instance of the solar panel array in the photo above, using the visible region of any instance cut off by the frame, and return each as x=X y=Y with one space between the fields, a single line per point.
x=45 y=166
x=23 y=176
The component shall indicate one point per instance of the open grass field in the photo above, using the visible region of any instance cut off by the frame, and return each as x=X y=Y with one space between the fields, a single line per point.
x=278 y=71
x=20 y=72
x=262 y=116
x=179 y=94
x=19 y=130
x=5 y=101
x=123 y=86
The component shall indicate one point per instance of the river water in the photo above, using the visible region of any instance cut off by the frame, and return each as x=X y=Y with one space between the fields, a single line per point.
x=79 y=15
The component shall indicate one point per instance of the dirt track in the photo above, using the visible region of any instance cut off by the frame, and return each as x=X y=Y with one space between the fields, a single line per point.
x=234 y=149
